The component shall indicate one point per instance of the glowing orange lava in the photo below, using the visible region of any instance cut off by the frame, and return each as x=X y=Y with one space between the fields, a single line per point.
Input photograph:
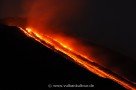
x=78 y=57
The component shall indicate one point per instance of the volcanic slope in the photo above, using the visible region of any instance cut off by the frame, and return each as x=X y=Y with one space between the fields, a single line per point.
x=25 y=62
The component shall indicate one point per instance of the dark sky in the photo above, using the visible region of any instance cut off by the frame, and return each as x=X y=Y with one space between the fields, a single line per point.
x=10 y=8
x=110 y=23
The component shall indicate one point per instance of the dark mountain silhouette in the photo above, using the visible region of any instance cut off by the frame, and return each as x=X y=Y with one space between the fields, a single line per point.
x=25 y=62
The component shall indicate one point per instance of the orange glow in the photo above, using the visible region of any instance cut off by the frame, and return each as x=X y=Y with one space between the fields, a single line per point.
x=77 y=57
x=29 y=30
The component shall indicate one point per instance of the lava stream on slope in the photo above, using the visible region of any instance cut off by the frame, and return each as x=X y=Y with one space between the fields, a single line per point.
x=78 y=58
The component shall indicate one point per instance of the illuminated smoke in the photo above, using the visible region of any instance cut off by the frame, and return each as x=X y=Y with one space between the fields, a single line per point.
x=53 y=15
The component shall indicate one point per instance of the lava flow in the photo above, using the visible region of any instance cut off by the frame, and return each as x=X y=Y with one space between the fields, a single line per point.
x=78 y=58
